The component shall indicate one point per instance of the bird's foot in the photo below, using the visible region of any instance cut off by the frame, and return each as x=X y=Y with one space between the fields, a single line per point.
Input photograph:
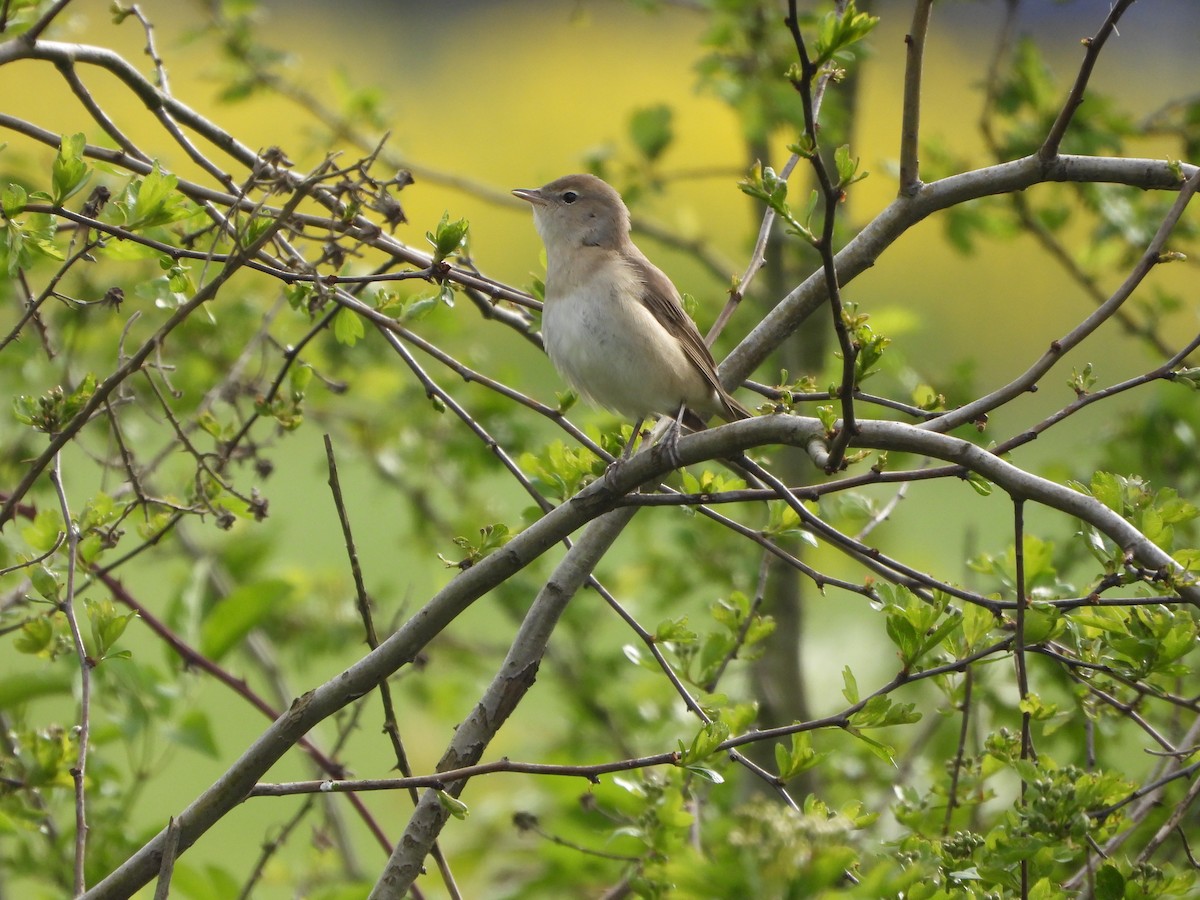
x=668 y=445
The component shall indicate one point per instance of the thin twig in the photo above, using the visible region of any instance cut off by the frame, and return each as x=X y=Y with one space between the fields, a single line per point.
x=83 y=730
x=910 y=128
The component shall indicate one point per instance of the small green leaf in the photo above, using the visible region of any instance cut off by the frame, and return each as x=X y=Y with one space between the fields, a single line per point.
x=977 y=623
x=45 y=531
x=1189 y=377
x=705 y=743
x=837 y=32
x=674 y=630
x=1042 y=623
x=69 y=172
x=36 y=637
x=706 y=774
x=650 y=129
x=234 y=616
x=1110 y=883
x=850 y=685
x=17 y=688
x=979 y=484
x=194 y=731
x=799 y=758
x=828 y=415
x=881 y=710
x=299 y=379
x=152 y=200
x=419 y=308
x=883 y=751
x=107 y=625
x=1037 y=708
x=447 y=237
x=46 y=583
x=453 y=805
x=847 y=167
x=12 y=200
x=347 y=327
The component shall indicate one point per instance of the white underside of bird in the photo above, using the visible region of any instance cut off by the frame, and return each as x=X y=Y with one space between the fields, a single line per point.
x=612 y=350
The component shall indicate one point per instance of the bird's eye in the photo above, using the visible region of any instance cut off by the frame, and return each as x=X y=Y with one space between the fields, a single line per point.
x=570 y=197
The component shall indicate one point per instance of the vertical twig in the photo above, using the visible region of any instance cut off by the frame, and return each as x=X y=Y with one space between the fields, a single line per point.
x=67 y=605
x=1058 y=130
x=1019 y=658
x=390 y=724
x=36 y=29
x=162 y=890
x=831 y=194
x=910 y=128
x=963 y=731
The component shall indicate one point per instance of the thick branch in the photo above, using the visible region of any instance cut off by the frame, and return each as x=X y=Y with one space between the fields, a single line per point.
x=905 y=212
x=403 y=646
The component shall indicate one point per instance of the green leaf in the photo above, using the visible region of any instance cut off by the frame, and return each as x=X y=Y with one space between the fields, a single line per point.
x=880 y=711
x=707 y=774
x=12 y=200
x=847 y=167
x=674 y=630
x=836 y=33
x=239 y=613
x=650 y=129
x=35 y=637
x=69 y=172
x=299 y=378
x=45 y=582
x=17 y=688
x=152 y=200
x=419 y=308
x=883 y=751
x=347 y=327
x=194 y=731
x=1106 y=488
x=45 y=531
x=828 y=415
x=979 y=484
x=1037 y=708
x=850 y=685
x=977 y=624
x=904 y=636
x=705 y=743
x=447 y=237
x=107 y=625
x=453 y=805
x=799 y=758
x=1110 y=883
x=98 y=512
x=1043 y=623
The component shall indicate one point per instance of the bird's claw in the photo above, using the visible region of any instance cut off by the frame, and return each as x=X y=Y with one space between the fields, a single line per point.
x=668 y=446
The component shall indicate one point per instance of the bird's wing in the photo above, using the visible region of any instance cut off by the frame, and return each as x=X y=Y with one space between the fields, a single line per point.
x=662 y=299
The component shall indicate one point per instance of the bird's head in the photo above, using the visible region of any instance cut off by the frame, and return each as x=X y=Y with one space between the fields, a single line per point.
x=578 y=210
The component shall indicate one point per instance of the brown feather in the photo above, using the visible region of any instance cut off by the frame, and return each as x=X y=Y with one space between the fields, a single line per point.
x=662 y=299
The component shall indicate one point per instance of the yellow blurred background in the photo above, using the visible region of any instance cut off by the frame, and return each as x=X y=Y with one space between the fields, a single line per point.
x=513 y=94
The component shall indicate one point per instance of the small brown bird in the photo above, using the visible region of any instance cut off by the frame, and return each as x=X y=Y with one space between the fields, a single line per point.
x=613 y=324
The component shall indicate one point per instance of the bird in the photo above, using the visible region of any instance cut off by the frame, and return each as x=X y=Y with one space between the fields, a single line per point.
x=613 y=324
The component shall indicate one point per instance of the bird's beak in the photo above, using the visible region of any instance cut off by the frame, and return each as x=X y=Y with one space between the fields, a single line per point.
x=532 y=195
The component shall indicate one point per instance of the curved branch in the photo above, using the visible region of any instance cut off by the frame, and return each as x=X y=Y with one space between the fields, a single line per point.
x=591 y=503
x=905 y=212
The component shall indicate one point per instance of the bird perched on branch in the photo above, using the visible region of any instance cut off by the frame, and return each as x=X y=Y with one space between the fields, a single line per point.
x=613 y=324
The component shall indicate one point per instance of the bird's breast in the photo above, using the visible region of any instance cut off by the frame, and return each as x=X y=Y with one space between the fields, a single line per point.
x=611 y=349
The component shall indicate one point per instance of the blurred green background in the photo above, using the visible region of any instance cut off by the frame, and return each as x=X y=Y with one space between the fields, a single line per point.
x=504 y=95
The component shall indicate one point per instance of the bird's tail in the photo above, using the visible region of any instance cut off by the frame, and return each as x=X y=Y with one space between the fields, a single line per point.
x=731 y=410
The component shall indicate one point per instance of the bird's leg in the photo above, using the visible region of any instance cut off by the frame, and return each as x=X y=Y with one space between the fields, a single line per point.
x=628 y=449
x=670 y=438
x=633 y=438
